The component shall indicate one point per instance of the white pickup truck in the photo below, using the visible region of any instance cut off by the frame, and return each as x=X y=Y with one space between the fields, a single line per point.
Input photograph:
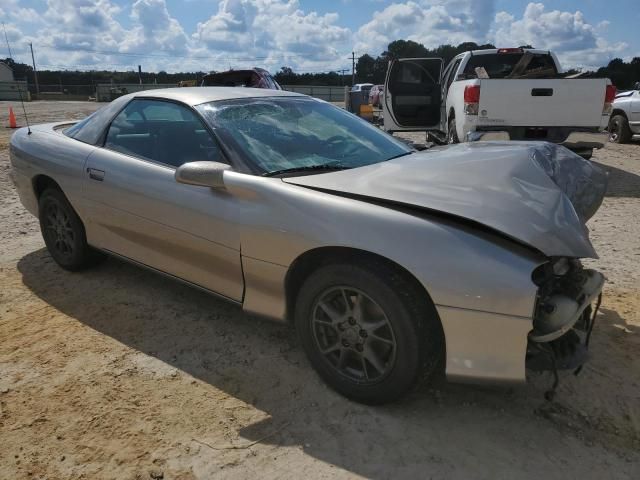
x=499 y=94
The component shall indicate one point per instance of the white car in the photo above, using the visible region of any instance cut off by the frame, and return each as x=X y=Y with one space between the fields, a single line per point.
x=498 y=94
x=625 y=118
x=362 y=87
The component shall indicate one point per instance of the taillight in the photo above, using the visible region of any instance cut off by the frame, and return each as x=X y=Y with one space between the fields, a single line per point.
x=510 y=50
x=610 y=94
x=609 y=97
x=471 y=99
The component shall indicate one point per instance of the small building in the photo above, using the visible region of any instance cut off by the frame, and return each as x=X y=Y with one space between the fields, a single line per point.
x=6 y=73
x=10 y=89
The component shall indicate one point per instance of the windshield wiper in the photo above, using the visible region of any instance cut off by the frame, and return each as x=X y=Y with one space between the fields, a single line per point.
x=400 y=155
x=308 y=168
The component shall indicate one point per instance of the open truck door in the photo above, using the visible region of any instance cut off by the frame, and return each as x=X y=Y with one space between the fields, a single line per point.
x=413 y=95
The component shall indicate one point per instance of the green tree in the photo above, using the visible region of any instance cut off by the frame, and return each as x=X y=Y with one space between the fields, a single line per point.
x=405 y=49
x=365 y=69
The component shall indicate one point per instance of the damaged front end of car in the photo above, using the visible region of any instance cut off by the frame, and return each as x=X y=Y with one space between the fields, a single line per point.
x=567 y=303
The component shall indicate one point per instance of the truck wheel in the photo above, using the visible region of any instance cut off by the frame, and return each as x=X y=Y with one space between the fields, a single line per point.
x=367 y=331
x=586 y=153
x=619 y=131
x=63 y=232
x=452 y=135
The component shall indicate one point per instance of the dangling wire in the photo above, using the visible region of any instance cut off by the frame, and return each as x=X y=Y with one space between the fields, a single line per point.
x=24 y=110
x=592 y=322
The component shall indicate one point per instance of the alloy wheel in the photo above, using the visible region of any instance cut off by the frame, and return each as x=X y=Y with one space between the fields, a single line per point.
x=353 y=334
x=58 y=230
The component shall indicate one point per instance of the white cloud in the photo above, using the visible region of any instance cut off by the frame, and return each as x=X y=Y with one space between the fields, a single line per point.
x=12 y=10
x=231 y=28
x=241 y=33
x=275 y=33
x=430 y=22
x=436 y=22
x=14 y=34
x=577 y=42
x=155 y=29
x=278 y=31
x=88 y=24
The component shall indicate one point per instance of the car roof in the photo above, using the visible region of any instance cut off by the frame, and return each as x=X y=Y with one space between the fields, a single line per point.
x=492 y=51
x=198 y=95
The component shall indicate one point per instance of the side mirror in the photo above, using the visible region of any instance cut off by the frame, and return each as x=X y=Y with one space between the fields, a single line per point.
x=204 y=174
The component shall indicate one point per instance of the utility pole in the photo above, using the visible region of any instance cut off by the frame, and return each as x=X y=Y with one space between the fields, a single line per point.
x=35 y=71
x=353 y=68
x=140 y=74
x=342 y=72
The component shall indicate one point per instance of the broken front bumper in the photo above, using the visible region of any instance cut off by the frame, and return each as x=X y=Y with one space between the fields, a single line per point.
x=560 y=312
x=564 y=319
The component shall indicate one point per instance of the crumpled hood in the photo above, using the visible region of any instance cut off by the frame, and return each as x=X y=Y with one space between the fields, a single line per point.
x=538 y=193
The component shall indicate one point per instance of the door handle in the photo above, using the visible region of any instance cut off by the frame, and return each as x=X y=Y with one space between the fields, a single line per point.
x=95 y=174
x=542 y=92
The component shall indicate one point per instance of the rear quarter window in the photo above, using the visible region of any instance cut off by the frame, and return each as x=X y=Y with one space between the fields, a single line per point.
x=90 y=129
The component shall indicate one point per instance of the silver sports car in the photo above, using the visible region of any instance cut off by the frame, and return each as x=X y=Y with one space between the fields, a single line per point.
x=392 y=264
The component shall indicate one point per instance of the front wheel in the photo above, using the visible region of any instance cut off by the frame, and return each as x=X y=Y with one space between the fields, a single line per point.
x=619 y=131
x=367 y=331
x=587 y=153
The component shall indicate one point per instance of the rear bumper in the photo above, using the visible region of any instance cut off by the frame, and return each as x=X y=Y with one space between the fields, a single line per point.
x=574 y=139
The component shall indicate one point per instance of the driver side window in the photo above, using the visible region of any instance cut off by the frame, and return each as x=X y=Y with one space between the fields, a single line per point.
x=163 y=132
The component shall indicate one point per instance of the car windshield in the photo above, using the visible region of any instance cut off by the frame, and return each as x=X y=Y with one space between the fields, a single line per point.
x=289 y=133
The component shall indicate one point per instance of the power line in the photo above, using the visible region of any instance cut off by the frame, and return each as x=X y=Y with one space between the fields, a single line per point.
x=166 y=55
x=323 y=67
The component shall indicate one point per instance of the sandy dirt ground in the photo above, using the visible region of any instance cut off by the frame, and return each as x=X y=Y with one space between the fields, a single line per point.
x=120 y=373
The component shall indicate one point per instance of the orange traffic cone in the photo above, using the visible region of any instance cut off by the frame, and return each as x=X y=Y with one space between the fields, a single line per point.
x=12 y=119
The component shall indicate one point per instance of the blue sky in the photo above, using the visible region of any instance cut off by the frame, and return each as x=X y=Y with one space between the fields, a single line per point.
x=307 y=35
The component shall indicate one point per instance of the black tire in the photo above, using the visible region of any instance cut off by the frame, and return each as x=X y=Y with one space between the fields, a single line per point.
x=412 y=325
x=452 y=134
x=63 y=232
x=619 y=131
x=586 y=154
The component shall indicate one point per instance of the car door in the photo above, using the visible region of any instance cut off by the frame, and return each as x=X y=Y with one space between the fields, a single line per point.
x=634 y=121
x=412 y=94
x=138 y=210
x=447 y=79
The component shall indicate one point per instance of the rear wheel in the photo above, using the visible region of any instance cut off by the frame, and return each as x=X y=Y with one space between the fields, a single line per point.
x=63 y=232
x=452 y=134
x=619 y=131
x=587 y=153
x=367 y=331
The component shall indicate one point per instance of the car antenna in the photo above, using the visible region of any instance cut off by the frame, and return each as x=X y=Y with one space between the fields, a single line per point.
x=24 y=110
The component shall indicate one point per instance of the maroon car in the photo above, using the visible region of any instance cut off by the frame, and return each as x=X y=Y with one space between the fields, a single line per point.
x=253 y=78
x=375 y=95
